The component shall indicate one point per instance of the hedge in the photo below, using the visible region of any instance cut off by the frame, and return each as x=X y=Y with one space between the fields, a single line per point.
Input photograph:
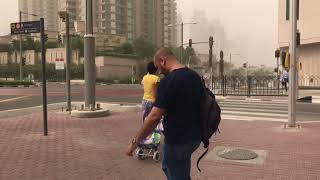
x=16 y=83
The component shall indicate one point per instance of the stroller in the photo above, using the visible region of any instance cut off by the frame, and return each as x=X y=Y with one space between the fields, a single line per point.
x=149 y=147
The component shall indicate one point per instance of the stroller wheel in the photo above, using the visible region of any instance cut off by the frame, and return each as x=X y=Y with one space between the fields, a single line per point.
x=139 y=153
x=156 y=156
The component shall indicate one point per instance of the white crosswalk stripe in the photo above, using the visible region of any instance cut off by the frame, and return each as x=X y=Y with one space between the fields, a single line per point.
x=248 y=110
x=316 y=99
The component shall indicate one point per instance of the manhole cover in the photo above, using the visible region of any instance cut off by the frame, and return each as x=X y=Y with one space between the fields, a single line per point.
x=237 y=154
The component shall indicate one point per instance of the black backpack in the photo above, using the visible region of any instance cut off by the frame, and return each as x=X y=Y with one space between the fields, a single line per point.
x=211 y=117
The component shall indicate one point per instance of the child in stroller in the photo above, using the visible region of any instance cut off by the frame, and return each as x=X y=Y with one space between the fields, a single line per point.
x=149 y=147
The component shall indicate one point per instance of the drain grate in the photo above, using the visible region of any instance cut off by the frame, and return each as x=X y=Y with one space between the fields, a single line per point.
x=237 y=154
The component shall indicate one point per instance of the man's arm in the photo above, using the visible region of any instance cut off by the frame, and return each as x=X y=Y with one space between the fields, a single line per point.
x=150 y=123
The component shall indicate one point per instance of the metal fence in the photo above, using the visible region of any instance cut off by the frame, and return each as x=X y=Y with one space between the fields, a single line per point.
x=248 y=86
x=309 y=82
x=259 y=86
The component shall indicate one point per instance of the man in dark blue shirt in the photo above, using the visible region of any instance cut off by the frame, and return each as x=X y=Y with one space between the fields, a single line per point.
x=178 y=100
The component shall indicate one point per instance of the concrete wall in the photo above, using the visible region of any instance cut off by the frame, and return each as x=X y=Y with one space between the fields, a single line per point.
x=309 y=27
x=309 y=57
x=30 y=55
x=53 y=54
x=308 y=23
x=4 y=58
x=114 y=67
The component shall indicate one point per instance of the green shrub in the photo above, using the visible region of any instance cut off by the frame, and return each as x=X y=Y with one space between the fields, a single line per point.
x=16 y=83
x=117 y=80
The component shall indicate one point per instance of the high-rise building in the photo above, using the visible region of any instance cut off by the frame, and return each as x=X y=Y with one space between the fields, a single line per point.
x=149 y=19
x=178 y=30
x=73 y=7
x=114 y=20
x=115 y=17
x=166 y=19
x=145 y=19
x=42 y=8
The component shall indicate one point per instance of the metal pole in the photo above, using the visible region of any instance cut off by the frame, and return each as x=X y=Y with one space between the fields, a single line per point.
x=278 y=76
x=210 y=60
x=89 y=62
x=20 y=44
x=68 y=64
x=181 y=50
x=44 y=78
x=293 y=76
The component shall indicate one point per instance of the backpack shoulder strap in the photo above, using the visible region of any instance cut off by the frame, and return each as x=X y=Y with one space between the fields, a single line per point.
x=203 y=154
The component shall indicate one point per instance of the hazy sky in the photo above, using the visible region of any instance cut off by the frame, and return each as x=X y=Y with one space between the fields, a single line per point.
x=8 y=14
x=255 y=19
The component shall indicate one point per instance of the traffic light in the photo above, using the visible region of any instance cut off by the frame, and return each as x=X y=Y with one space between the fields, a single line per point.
x=45 y=37
x=298 y=38
x=244 y=65
x=277 y=53
x=190 y=43
x=23 y=61
x=210 y=41
x=287 y=61
x=283 y=58
x=59 y=38
x=221 y=55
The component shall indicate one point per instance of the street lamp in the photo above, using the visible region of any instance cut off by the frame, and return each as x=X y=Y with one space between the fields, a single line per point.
x=182 y=25
x=20 y=39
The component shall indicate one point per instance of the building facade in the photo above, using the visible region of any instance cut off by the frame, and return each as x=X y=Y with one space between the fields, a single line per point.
x=309 y=27
x=46 y=9
x=166 y=23
x=153 y=20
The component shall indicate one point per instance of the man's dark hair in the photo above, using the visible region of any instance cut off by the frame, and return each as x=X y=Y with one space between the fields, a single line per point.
x=151 y=68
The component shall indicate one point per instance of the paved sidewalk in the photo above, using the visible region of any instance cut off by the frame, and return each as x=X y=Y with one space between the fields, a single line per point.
x=89 y=149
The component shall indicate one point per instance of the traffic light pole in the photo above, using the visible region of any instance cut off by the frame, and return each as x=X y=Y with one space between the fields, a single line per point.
x=181 y=50
x=68 y=63
x=293 y=68
x=89 y=59
x=20 y=44
x=44 y=78
x=210 y=61
x=278 y=75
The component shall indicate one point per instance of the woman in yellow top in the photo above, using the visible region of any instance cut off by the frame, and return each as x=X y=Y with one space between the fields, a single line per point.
x=150 y=84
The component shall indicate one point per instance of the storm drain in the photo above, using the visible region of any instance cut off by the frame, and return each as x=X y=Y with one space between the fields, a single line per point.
x=237 y=154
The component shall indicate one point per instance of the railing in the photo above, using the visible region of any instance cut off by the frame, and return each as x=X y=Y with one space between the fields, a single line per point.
x=258 y=86
x=309 y=82
x=248 y=86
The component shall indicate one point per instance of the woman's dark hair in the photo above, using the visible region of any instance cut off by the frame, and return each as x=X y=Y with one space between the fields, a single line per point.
x=151 y=68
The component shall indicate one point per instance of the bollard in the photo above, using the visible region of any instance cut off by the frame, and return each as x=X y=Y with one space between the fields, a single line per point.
x=91 y=107
x=98 y=106
x=82 y=107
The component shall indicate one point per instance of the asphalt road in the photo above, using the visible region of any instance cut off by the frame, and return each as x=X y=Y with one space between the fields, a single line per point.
x=17 y=98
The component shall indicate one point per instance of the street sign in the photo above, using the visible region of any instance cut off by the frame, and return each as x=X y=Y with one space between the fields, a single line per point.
x=25 y=27
x=59 y=64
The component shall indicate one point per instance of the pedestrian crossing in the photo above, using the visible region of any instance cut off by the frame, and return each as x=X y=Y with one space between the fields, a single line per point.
x=316 y=99
x=254 y=110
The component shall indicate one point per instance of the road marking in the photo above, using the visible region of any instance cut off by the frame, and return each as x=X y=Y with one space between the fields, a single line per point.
x=14 y=99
